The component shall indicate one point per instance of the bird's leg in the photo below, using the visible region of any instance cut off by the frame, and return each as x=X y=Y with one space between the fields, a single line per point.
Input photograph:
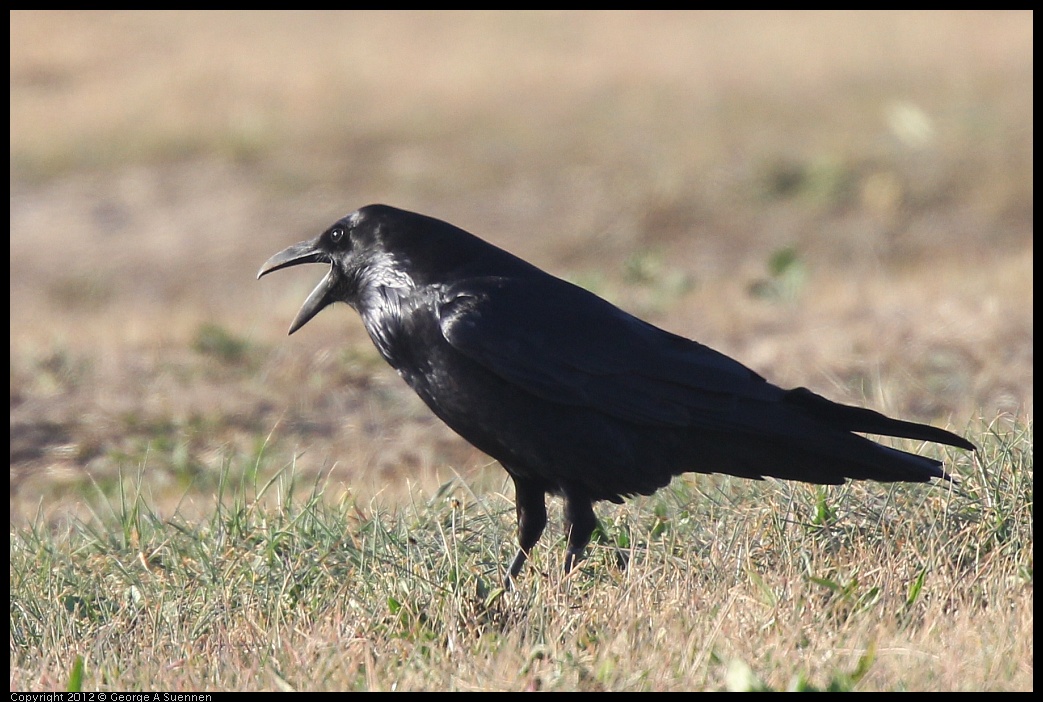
x=532 y=518
x=579 y=525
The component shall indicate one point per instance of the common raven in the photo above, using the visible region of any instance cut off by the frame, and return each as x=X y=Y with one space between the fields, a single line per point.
x=572 y=395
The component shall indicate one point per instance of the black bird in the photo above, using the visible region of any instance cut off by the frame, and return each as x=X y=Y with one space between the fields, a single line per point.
x=572 y=395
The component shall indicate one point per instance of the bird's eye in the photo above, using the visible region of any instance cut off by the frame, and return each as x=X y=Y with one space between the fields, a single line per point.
x=337 y=235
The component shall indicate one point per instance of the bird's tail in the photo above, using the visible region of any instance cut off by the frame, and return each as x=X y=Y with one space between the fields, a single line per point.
x=867 y=421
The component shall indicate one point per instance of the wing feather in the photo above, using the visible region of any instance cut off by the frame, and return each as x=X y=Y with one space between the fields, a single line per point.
x=594 y=355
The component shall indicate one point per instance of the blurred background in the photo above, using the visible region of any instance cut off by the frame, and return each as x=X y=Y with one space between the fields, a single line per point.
x=841 y=200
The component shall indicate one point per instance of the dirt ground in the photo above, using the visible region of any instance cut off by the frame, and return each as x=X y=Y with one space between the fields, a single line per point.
x=839 y=200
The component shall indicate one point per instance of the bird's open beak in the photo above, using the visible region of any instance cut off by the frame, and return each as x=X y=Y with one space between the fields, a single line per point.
x=322 y=295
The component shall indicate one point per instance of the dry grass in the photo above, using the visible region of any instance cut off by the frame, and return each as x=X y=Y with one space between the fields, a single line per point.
x=663 y=159
x=729 y=584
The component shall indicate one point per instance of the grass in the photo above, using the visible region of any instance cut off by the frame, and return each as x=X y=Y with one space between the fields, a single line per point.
x=838 y=200
x=730 y=584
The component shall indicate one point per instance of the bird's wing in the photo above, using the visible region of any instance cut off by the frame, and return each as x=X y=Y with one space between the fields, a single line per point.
x=566 y=345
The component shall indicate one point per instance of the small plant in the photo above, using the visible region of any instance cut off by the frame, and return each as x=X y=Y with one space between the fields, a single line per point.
x=787 y=275
x=217 y=342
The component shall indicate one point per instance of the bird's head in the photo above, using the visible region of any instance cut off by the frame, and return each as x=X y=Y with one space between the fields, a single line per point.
x=356 y=248
x=383 y=259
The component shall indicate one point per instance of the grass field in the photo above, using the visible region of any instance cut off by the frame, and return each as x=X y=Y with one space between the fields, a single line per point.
x=838 y=200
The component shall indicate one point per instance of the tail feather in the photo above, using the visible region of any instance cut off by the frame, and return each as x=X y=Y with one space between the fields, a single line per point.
x=867 y=421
